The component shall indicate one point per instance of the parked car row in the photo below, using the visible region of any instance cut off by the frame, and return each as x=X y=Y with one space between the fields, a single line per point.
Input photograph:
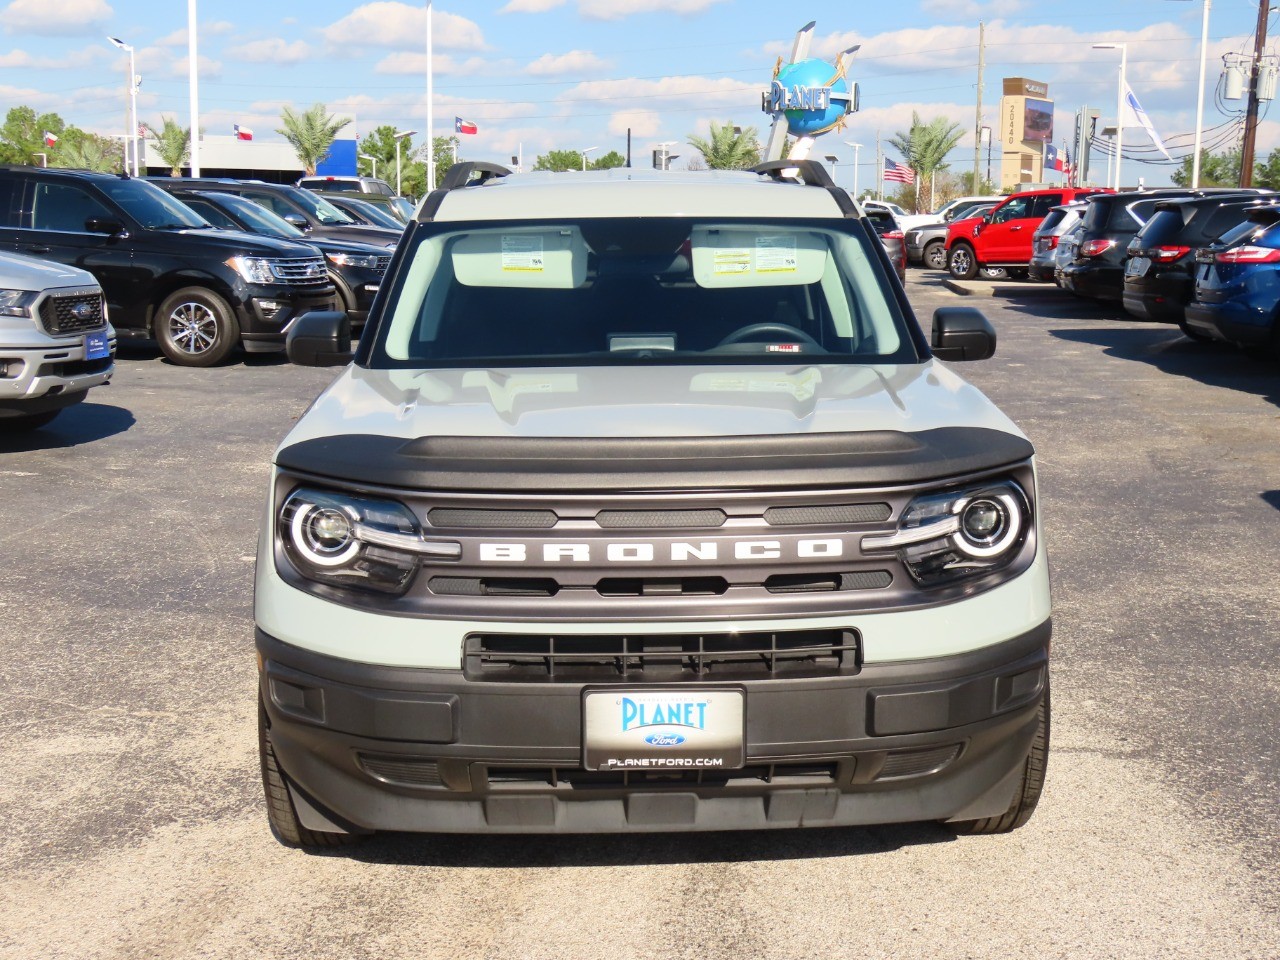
x=199 y=282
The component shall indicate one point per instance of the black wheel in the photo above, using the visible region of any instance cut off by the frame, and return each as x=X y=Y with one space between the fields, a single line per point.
x=1028 y=795
x=1191 y=333
x=196 y=328
x=281 y=813
x=961 y=262
x=935 y=254
x=28 y=421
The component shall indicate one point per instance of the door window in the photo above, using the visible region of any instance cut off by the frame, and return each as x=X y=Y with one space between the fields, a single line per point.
x=1041 y=206
x=1015 y=209
x=64 y=207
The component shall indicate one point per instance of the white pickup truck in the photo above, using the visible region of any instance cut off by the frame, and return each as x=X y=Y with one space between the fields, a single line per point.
x=55 y=341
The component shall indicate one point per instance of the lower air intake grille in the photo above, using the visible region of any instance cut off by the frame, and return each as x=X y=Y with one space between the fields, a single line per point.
x=915 y=763
x=407 y=770
x=664 y=658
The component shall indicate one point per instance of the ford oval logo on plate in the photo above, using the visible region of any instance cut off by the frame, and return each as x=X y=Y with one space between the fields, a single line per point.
x=664 y=739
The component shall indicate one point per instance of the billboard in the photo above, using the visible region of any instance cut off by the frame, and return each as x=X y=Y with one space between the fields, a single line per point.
x=340 y=160
x=1037 y=120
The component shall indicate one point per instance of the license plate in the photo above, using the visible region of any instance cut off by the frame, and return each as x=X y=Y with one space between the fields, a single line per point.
x=95 y=346
x=663 y=729
x=1137 y=267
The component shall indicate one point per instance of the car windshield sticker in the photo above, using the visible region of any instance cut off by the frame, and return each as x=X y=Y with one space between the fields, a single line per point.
x=522 y=252
x=731 y=260
x=775 y=254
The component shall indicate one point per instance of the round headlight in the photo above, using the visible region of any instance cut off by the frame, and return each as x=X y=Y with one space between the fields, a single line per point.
x=324 y=535
x=990 y=523
x=982 y=521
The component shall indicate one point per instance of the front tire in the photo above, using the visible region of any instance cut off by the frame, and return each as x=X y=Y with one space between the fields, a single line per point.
x=935 y=255
x=196 y=328
x=961 y=262
x=281 y=813
x=1029 y=789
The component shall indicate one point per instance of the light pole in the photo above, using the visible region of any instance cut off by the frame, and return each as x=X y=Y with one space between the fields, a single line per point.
x=584 y=157
x=373 y=160
x=856 y=148
x=1124 y=56
x=132 y=136
x=1204 y=46
x=193 y=79
x=399 y=137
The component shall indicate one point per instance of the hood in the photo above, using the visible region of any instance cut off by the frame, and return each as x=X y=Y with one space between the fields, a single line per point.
x=378 y=236
x=642 y=401
x=343 y=246
x=249 y=244
x=18 y=272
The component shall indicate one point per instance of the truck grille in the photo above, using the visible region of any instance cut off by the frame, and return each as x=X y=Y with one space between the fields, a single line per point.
x=305 y=270
x=661 y=657
x=382 y=264
x=72 y=313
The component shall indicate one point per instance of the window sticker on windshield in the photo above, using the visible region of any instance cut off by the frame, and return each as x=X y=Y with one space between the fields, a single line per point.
x=731 y=260
x=522 y=252
x=775 y=254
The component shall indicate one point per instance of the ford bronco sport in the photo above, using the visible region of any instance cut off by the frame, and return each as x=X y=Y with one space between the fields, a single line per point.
x=646 y=505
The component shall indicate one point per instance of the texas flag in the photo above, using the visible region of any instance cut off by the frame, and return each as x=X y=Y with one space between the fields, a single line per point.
x=241 y=133
x=49 y=139
x=464 y=126
x=1051 y=159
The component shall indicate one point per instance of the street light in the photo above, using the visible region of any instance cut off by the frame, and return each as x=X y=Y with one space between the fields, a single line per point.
x=584 y=157
x=132 y=136
x=400 y=136
x=371 y=159
x=1204 y=46
x=856 y=148
x=1124 y=57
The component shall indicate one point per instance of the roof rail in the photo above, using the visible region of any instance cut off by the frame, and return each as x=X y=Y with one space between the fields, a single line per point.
x=472 y=173
x=809 y=172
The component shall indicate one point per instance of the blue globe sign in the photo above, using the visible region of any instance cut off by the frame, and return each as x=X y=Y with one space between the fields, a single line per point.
x=815 y=96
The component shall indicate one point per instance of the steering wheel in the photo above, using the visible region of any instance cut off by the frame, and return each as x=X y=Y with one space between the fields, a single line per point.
x=746 y=333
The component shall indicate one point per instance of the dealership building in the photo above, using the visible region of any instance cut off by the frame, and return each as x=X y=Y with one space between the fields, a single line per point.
x=271 y=160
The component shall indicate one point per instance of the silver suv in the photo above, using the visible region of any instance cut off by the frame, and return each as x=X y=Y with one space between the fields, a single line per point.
x=55 y=341
x=647 y=505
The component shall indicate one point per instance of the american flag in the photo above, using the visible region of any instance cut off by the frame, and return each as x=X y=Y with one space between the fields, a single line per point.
x=898 y=172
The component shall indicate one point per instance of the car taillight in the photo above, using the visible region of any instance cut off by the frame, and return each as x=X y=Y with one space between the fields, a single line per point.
x=893 y=235
x=1094 y=248
x=1167 y=254
x=1248 y=254
x=1053 y=243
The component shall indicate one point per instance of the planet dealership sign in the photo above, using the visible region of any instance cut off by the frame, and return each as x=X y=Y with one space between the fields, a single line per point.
x=813 y=95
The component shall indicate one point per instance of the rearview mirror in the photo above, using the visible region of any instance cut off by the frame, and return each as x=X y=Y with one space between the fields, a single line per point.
x=962 y=333
x=321 y=338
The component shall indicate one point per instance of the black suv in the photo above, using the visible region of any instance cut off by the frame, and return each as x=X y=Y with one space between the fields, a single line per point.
x=356 y=269
x=307 y=211
x=165 y=272
x=1159 y=279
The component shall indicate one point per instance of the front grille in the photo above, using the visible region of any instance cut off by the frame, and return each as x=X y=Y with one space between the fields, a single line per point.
x=382 y=264
x=661 y=657
x=837 y=513
x=510 y=519
x=305 y=270
x=791 y=774
x=659 y=519
x=71 y=313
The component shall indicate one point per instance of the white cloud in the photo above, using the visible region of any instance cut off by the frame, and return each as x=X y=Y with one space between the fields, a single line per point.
x=415 y=63
x=531 y=6
x=575 y=61
x=619 y=9
x=672 y=93
x=20 y=58
x=214 y=28
x=55 y=17
x=642 y=123
x=389 y=23
x=970 y=10
x=274 y=50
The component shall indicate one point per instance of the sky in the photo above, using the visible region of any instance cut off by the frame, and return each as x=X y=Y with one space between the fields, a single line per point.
x=574 y=74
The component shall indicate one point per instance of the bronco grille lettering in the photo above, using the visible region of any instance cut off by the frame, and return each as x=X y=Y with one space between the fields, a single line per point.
x=680 y=551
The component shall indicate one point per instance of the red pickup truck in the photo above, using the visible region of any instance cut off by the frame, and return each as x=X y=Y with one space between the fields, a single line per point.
x=1001 y=237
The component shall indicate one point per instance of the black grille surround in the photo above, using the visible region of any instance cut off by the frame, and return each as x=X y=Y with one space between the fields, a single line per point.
x=62 y=314
x=550 y=560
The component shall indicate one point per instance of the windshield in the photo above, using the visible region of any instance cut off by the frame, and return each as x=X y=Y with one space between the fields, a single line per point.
x=372 y=214
x=627 y=291
x=151 y=206
x=403 y=207
x=260 y=219
x=321 y=209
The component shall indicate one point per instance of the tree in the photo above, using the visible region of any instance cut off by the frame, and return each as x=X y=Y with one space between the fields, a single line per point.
x=609 y=161
x=728 y=148
x=173 y=143
x=1216 y=169
x=925 y=146
x=22 y=135
x=79 y=150
x=559 y=161
x=311 y=133
x=380 y=143
x=1268 y=174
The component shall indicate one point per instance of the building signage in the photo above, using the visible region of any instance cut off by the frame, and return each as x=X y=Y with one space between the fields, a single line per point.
x=812 y=95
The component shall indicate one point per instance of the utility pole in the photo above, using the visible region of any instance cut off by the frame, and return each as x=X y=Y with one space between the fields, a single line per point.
x=977 y=120
x=1251 y=115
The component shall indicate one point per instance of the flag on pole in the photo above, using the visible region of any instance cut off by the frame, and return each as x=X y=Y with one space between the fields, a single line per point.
x=1067 y=171
x=898 y=172
x=49 y=139
x=1134 y=112
x=1052 y=161
x=464 y=126
x=241 y=133
x=144 y=130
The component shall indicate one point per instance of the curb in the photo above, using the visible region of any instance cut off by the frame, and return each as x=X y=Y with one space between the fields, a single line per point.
x=1000 y=288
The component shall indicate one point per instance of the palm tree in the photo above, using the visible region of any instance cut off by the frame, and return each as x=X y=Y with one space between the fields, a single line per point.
x=311 y=132
x=173 y=143
x=730 y=147
x=924 y=148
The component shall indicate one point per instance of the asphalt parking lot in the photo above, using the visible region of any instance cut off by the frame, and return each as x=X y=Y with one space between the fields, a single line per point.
x=128 y=763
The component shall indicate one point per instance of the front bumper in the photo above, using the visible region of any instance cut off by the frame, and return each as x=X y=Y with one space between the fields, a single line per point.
x=266 y=314
x=1231 y=321
x=368 y=747
x=38 y=379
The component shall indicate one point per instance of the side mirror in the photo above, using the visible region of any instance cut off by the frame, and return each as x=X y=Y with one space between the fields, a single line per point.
x=962 y=333
x=298 y=220
x=105 y=225
x=321 y=338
